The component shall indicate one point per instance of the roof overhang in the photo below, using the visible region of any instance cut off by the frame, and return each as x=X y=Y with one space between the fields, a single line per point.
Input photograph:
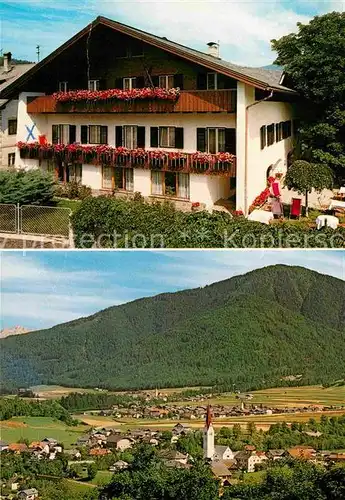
x=179 y=51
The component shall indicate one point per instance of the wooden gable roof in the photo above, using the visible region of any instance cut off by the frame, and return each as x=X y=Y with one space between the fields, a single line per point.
x=260 y=78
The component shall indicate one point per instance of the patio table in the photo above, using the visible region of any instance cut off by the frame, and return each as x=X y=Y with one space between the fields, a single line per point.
x=327 y=220
x=335 y=204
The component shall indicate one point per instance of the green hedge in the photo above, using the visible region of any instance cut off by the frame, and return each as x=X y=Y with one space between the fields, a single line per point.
x=113 y=223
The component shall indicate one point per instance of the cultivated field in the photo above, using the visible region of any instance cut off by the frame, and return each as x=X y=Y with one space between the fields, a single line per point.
x=56 y=391
x=38 y=428
x=313 y=395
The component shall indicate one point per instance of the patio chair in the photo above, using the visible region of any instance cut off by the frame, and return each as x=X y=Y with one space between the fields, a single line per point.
x=295 y=208
x=276 y=189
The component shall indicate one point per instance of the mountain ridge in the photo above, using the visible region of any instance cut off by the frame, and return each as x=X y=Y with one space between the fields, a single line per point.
x=145 y=342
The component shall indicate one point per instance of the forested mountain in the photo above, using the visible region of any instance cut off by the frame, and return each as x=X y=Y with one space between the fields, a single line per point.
x=250 y=330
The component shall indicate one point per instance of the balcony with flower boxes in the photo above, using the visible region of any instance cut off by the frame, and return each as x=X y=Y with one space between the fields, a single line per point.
x=197 y=163
x=184 y=101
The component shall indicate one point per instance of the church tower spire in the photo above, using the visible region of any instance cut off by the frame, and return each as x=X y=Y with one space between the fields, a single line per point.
x=208 y=435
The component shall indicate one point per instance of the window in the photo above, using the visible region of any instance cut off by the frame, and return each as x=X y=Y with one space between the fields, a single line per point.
x=216 y=140
x=94 y=134
x=129 y=83
x=118 y=178
x=211 y=81
x=167 y=137
x=12 y=126
x=263 y=138
x=174 y=184
x=93 y=85
x=74 y=173
x=63 y=134
x=166 y=81
x=270 y=134
x=49 y=166
x=65 y=172
x=279 y=131
x=63 y=86
x=130 y=136
x=11 y=159
x=136 y=49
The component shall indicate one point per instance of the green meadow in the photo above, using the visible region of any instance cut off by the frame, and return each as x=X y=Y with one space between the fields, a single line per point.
x=38 y=428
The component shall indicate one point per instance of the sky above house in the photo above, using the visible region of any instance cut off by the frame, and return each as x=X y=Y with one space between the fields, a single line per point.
x=244 y=28
x=39 y=289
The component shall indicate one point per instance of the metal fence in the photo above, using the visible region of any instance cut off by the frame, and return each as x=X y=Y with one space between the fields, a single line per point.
x=35 y=220
x=8 y=218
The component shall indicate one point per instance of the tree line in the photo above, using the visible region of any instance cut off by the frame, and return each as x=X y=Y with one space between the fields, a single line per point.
x=17 y=407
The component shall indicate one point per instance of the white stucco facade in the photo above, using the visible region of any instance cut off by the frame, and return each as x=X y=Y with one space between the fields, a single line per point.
x=252 y=161
x=7 y=141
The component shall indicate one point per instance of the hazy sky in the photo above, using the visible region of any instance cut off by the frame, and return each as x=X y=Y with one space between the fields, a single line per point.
x=42 y=288
x=243 y=27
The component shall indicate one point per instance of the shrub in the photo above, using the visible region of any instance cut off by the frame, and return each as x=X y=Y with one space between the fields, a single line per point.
x=33 y=187
x=113 y=223
x=73 y=190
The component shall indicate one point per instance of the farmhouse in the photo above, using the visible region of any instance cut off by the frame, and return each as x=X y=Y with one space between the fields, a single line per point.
x=30 y=494
x=223 y=453
x=302 y=452
x=119 y=442
x=248 y=460
x=124 y=111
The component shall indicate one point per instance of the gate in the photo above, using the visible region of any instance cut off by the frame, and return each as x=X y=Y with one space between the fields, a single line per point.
x=8 y=218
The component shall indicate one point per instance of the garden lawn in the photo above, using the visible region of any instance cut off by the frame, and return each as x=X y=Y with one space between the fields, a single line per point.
x=66 y=203
x=38 y=428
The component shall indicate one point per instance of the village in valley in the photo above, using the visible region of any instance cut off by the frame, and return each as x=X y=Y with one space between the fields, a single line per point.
x=180 y=433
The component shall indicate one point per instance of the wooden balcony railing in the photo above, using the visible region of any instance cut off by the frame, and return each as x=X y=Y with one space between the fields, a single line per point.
x=189 y=101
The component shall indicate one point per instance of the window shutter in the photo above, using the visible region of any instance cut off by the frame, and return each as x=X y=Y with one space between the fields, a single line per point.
x=140 y=82
x=119 y=83
x=178 y=81
x=141 y=137
x=201 y=139
x=155 y=81
x=118 y=136
x=72 y=134
x=154 y=137
x=55 y=134
x=202 y=81
x=104 y=134
x=84 y=134
x=230 y=140
x=179 y=137
x=263 y=136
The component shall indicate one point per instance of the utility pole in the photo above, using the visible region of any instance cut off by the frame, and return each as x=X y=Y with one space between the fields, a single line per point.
x=38 y=53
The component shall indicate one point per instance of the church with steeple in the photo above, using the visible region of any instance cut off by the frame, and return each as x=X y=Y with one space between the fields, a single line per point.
x=208 y=437
x=216 y=454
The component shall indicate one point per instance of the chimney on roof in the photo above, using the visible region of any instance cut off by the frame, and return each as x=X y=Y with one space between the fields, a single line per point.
x=213 y=49
x=7 y=61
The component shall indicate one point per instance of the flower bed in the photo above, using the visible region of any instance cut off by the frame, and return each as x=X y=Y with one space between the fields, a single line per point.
x=119 y=94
